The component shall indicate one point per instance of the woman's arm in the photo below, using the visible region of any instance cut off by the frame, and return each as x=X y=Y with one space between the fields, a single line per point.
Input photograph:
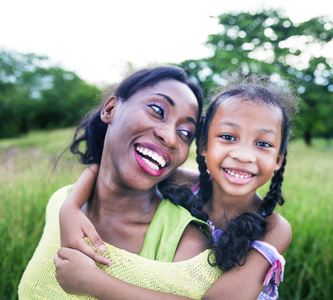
x=74 y=224
x=78 y=274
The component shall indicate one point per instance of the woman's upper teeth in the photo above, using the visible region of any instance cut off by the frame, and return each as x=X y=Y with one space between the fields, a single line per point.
x=153 y=155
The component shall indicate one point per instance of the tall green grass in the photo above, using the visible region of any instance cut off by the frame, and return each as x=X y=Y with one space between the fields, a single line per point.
x=28 y=178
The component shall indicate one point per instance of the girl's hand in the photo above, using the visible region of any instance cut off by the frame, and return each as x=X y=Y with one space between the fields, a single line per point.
x=74 y=271
x=74 y=227
x=74 y=224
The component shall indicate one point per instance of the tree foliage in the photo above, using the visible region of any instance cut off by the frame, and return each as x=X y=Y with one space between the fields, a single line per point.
x=36 y=95
x=269 y=42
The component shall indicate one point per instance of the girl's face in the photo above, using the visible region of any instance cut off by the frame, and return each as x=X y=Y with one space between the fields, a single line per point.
x=243 y=146
x=149 y=135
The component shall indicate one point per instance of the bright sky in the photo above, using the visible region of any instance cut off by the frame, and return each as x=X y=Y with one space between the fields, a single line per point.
x=97 y=38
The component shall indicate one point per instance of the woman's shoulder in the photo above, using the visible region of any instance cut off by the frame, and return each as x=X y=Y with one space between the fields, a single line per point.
x=192 y=243
x=279 y=232
x=57 y=199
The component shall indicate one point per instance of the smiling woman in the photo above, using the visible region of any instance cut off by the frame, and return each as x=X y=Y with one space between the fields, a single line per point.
x=166 y=132
x=139 y=136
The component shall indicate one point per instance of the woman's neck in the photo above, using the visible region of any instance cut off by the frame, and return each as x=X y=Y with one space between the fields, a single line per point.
x=122 y=215
x=111 y=199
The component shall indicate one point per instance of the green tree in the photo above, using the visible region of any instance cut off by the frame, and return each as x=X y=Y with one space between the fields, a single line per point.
x=36 y=95
x=269 y=42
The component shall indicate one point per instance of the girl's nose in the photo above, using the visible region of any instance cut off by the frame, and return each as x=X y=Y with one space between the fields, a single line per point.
x=167 y=136
x=243 y=155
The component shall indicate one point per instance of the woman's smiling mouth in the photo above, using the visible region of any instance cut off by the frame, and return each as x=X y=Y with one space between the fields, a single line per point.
x=152 y=159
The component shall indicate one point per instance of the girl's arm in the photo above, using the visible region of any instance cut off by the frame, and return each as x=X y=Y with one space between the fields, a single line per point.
x=246 y=282
x=78 y=274
x=74 y=224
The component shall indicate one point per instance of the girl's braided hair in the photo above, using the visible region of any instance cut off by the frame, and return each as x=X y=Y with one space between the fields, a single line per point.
x=240 y=232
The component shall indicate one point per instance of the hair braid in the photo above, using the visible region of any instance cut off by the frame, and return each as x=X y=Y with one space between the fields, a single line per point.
x=274 y=194
x=205 y=182
x=235 y=242
x=182 y=195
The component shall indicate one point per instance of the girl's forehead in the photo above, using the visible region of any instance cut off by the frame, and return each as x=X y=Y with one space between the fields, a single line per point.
x=247 y=110
x=239 y=104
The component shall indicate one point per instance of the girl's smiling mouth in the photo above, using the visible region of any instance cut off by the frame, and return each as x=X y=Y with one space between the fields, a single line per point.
x=152 y=159
x=238 y=174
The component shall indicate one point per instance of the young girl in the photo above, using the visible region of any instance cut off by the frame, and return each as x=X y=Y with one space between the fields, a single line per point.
x=242 y=142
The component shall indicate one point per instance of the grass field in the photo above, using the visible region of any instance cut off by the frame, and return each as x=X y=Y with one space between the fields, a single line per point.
x=28 y=178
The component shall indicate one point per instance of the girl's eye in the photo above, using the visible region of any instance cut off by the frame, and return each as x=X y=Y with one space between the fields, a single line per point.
x=263 y=144
x=157 y=109
x=227 y=137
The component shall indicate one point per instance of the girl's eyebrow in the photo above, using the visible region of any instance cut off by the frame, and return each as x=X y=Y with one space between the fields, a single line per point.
x=269 y=131
x=263 y=130
x=172 y=103
x=227 y=123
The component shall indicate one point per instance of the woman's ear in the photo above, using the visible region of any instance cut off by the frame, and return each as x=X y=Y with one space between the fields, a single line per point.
x=279 y=162
x=107 y=111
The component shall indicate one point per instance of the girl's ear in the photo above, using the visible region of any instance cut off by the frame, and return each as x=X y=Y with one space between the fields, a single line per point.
x=279 y=162
x=108 y=110
x=203 y=147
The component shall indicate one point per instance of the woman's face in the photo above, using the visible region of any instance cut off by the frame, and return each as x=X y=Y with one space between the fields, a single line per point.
x=149 y=135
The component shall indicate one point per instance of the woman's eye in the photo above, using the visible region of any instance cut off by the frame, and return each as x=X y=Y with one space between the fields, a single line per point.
x=187 y=134
x=263 y=144
x=157 y=109
x=227 y=137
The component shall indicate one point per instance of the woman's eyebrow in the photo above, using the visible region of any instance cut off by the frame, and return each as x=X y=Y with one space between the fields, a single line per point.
x=190 y=119
x=172 y=103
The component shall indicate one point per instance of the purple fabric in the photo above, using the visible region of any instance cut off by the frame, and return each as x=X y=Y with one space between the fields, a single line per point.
x=274 y=274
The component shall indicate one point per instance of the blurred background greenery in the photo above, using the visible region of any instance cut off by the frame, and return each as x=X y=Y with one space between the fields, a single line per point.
x=40 y=103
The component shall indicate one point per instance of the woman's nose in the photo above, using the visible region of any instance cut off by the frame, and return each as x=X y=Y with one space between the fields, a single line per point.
x=167 y=136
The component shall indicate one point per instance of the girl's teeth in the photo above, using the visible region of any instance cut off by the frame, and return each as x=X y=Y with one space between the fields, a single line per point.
x=237 y=175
